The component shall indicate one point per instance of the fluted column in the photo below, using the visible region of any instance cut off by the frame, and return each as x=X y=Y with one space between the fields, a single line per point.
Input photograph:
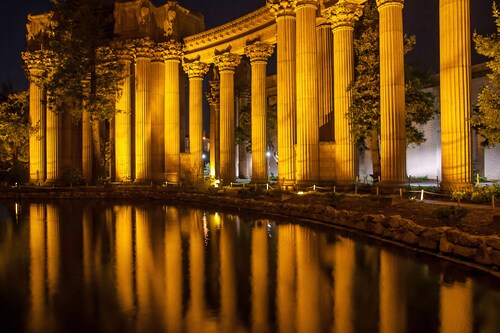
x=286 y=62
x=143 y=54
x=87 y=154
x=343 y=15
x=53 y=136
x=227 y=63
x=196 y=70
x=392 y=94
x=34 y=64
x=157 y=107
x=172 y=54
x=307 y=149
x=259 y=53
x=123 y=120
x=324 y=44
x=455 y=91
x=214 y=101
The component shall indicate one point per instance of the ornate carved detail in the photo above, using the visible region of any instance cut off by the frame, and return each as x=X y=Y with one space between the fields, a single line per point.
x=343 y=14
x=281 y=7
x=172 y=50
x=299 y=3
x=259 y=51
x=143 y=48
x=170 y=15
x=213 y=96
x=195 y=68
x=34 y=61
x=381 y=3
x=124 y=50
x=227 y=61
x=158 y=53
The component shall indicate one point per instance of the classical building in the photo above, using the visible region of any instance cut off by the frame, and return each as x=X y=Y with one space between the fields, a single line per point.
x=166 y=48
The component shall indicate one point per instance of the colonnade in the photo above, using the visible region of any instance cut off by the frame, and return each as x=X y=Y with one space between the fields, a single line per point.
x=315 y=68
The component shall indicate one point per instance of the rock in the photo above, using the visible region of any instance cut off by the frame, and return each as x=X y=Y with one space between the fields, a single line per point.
x=378 y=229
x=483 y=255
x=428 y=243
x=417 y=229
x=460 y=238
x=432 y=234
x=410 y=238
x=376 y=218
x=493 y=241
x=495 y=257
x=464 y=251
x=444 y=245
x=395 y=221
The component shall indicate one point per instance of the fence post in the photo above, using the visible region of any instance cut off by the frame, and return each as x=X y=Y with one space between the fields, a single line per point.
x=422 y=195
x=401 y=193
x=493 y=201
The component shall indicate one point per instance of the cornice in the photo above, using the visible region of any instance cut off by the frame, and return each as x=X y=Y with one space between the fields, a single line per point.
x=343 y=14
x=227 y=61
x=259 y=51
x=195 y=69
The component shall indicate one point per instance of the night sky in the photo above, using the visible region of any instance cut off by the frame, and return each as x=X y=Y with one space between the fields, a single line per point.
x=420 y=19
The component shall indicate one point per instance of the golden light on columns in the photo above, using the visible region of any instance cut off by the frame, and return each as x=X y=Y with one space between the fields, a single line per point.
x=392 y=293
x=172 y=54
x=260 y=277
x=123 y=119
x=34 y=65
x=286 y=273
x=259 y=53
x=143 y=51
x=52 y=131
x=307 y=149
x=227 y=63
x=286 y=62
x=324 y=44
x=392 y=94
x=345 y=264
x=455 y=92
x=342 y=16
x=213 y=98
x=195 y=71
x=156 y=102
x=87 y=151
x=124 y=257
x=37 y=267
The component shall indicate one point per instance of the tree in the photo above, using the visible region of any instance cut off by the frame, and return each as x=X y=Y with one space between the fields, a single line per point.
x=364 y=112
x=486 y=118
x=85 y=74
x=14 y=132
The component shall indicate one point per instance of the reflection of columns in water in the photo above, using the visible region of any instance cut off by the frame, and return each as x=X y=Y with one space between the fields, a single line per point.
x=37 y=265
x=88 y=254
x=456 y=308
x=343 y=291
x=307 y=148
x=392 y=293
x=173 y=270
x=53 y=248
x=285 y=293
x=227 y=275
x=308 y=295
x=260 y=279
x=124 y=257
x=196 y=272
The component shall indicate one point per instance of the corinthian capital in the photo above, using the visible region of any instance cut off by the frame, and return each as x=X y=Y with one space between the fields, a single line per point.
x=143 y=48
x=34 y=61
x=227 y=61
x=381 y=3
x=281 y=7
x=124 y=50
x=299 y=3
x=195 y=68
x=259 y=51
x=172 y=50
x=344 y=14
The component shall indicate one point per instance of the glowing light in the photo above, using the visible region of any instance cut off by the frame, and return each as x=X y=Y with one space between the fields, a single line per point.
x=268 y=154
x=217 y=220
x=300 y=193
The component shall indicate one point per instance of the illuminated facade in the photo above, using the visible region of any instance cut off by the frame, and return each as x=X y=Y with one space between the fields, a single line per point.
x=166 y=48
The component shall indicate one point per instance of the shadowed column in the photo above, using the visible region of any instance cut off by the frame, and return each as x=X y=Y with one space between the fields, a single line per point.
x=196 y=70
x=343 y=15
x=259 y=53
x=455 y=91
x=172 y=54
x=227 y=63
x=285 y=22
x=214 y=101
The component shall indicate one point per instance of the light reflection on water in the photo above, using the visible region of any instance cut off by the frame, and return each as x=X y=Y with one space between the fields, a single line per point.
x=150 y=268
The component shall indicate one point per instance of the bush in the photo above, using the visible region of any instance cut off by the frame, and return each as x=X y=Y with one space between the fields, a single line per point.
x=451 y=215
x=71 y=176
x=335 y=198
x=475 y=194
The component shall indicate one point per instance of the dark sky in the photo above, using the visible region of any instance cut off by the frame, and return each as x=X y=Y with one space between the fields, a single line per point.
x=420 y=19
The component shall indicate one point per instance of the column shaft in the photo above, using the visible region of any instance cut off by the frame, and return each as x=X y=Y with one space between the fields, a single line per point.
x=392 y=94
x=87 y=154
x=37 y=140
x=455 y=77
x=227 y=143
x=53 y=145
x=142 y=120
x=196 y=126
x=324 y=44
x=157 y=107
x=123 y=129
x=259 y=122
x=172 y=120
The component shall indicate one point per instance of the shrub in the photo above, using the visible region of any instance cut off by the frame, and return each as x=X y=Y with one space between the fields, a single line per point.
x=451 y=215
x=71 y=176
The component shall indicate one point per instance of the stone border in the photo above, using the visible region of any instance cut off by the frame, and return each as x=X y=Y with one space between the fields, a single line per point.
x=447 y=242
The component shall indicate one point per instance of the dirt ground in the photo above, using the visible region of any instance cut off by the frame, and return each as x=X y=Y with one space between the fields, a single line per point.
x=477 y=221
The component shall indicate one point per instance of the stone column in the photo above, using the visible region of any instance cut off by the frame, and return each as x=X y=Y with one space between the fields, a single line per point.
x=455 y=99
x=143 y=54
x=324 y=44
x=259 y=53
x=53 y=140
x=343 y=15
x=307 y=149
x=213 y=100
x=196 y=70
x=157 y=107
x=123 y=120
x=227 y=63
x=285 y=21
x=392 y=94
x=87 y=153
x=172 y=54
x=34 y=63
